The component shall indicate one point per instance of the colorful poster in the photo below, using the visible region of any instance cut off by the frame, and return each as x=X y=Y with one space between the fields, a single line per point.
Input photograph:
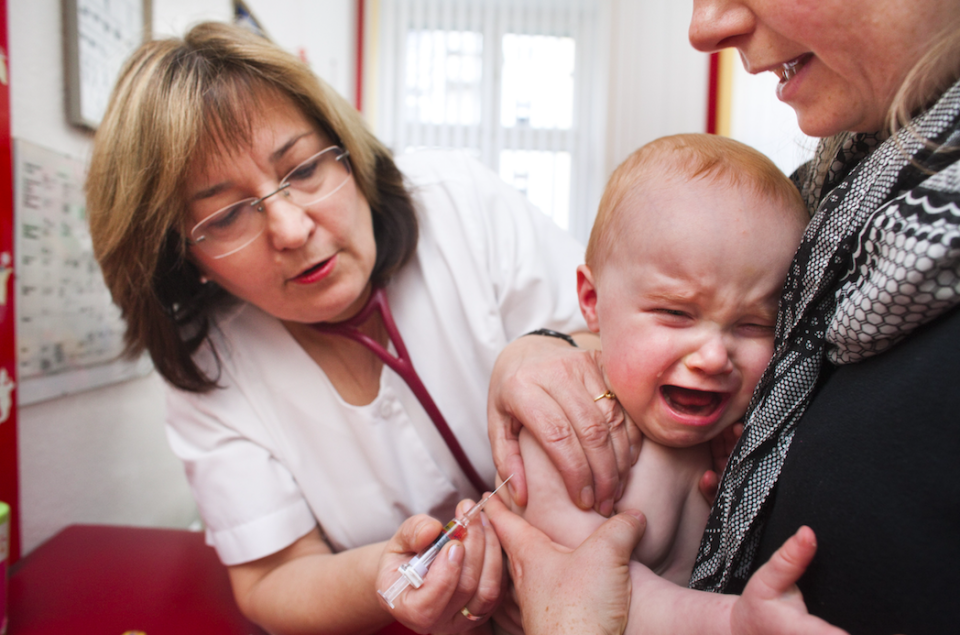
x=69 y=332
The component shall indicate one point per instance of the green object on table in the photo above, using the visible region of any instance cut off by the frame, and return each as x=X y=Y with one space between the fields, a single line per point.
x=4 y=531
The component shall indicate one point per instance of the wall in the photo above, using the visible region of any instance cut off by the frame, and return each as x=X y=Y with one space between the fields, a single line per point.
x=101 y=456
x=174 y=17
x=321 y=32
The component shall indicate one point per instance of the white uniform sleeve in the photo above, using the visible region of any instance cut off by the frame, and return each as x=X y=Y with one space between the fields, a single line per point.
x=250 y=503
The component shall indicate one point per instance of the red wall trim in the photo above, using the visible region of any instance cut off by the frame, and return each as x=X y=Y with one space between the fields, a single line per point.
x=713 y=93
x=360 y=43
x=9 y=483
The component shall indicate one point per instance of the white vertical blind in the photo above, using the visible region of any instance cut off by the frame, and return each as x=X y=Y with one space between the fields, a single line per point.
x=521 y=84
x=658 y=81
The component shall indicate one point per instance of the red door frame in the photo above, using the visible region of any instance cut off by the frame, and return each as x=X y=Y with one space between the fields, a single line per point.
x=359 y=59
x=9 y=490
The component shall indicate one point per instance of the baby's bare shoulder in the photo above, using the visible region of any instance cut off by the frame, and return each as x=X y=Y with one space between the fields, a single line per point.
x=663 y=484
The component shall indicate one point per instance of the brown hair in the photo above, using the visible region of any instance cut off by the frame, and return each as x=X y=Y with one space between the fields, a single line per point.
x=689 y=156
x=177 y=100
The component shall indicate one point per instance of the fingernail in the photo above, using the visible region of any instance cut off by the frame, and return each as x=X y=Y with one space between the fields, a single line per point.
x=619 y=493
x=513 y=492
x=484 y=519
x=586 y=498
x=606 y=508
x=634 y=452
x=455 y=554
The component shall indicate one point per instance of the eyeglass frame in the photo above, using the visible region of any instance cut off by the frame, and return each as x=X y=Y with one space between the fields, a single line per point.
x=284 y=184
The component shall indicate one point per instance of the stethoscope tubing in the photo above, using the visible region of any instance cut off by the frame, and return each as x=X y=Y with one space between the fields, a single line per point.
x=403 y=366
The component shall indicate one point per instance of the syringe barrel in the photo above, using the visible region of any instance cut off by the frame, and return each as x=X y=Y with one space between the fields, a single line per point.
x=453 y=530
x=413 y=571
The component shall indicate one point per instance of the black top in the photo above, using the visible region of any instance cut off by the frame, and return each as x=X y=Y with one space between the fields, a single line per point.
x=874 y=469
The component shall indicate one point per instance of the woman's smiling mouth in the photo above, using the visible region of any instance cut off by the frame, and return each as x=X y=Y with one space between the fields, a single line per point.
x=789 y=69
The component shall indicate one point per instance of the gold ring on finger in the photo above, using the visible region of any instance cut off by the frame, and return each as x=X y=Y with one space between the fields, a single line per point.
x=606 y=395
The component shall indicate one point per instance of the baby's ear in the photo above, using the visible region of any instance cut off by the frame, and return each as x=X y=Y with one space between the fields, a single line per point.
x=587 y=294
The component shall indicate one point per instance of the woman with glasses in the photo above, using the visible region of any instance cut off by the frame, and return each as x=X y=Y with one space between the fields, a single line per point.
x=326 y=318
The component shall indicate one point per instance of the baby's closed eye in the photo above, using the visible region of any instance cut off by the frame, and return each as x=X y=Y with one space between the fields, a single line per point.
x=672 y=316
x=756 y=329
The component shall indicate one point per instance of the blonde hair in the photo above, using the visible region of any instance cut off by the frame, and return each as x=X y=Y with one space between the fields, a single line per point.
x=176 y=103
x=936 y=70
x=688 y=156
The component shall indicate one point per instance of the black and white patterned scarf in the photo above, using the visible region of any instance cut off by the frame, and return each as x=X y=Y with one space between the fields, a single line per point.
x=880 y=257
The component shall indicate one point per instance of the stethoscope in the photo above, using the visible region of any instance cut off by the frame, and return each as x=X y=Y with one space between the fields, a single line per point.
x=403 y=366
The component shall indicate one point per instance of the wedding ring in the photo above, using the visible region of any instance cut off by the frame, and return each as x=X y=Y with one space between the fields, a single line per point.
x=606 y=395
x=470 y=616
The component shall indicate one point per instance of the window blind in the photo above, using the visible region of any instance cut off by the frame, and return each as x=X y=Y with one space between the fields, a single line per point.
x=520 y=84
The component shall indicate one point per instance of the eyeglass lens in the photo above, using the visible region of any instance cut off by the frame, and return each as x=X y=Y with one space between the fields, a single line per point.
x=230 y=229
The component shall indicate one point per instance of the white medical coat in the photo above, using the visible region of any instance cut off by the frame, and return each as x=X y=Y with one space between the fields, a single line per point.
x=276 y=451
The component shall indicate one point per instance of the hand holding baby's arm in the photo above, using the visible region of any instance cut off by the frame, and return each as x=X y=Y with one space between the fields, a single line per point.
x=560 y=590
x=548 y=386
x=465 y=574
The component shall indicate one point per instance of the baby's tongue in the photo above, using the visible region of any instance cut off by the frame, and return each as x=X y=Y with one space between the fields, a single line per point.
x=687 y=401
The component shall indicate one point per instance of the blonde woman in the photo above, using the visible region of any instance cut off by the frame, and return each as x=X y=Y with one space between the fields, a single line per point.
x=852 y=430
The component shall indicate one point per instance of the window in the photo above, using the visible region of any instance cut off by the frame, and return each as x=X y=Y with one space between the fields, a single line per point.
x=518 y=84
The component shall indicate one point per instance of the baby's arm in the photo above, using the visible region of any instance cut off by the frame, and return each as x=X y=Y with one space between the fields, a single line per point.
x=549 y=507
x=662 y=484
x=770 y=604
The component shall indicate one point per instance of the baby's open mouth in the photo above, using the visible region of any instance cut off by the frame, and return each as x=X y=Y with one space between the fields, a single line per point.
x=699 y=403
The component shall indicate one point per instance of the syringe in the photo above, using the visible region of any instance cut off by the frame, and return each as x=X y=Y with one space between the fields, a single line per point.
x=412 y=572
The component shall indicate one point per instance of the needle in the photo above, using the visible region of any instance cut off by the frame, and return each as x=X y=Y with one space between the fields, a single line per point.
x=412 y=572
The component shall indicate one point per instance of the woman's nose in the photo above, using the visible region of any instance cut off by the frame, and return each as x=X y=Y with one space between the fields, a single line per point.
x=712 y=357
x=289 y=226
x=716 y=23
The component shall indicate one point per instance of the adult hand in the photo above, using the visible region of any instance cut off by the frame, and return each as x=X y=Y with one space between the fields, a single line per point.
x=583 y=591
x=771 y=601
x=721 y=447
x=466 y=574
x=549 y=387
x=507 y=616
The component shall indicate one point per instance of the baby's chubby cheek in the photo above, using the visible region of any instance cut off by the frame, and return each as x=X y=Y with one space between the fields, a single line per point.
x=627 y=377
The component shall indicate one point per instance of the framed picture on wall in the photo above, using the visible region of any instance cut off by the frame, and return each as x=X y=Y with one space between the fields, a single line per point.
x=243 y=16
x=99 y=37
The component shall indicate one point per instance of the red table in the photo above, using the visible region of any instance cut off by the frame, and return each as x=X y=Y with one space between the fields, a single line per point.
x=108 y=580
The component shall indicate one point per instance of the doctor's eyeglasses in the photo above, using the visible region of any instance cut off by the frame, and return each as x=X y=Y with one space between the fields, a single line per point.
x=232 y=228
